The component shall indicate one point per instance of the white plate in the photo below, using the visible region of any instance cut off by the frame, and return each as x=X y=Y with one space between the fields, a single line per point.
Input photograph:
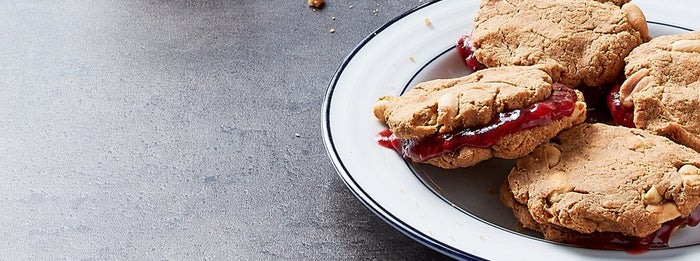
x=455 y=212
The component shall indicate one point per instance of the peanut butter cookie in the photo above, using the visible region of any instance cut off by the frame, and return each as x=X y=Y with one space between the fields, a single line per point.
x=581 y=42
x=596 y=178
x=500 y=112
x=662 y=86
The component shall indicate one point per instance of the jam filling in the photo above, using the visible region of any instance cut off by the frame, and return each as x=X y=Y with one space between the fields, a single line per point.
x=560 y=104
x=618 y=241
x=466 y=51
x=622 y=115
x=596 y=108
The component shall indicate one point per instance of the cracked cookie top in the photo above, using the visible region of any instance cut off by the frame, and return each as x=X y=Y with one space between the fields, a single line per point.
x=581 y=42
x=601 y=178
x=444 y=105
x=669 y=59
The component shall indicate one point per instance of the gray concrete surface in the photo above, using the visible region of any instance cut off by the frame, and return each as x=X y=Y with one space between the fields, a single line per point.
x=146 y=130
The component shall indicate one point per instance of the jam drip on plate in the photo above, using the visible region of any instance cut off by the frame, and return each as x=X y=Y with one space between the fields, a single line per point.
x=466 y=51
x=622 y=115
x=560 y=104
x=618 y=241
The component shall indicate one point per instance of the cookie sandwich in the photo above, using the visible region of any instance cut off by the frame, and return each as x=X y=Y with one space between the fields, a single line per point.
x=661 y=92
x=502 y=112
x=581 y=42
x=606 y=187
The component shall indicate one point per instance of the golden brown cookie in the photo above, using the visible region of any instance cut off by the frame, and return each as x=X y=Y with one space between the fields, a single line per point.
x=662 y=87
x=582 y=42
x=596 y=178
x=438 y=108
x=444 y=105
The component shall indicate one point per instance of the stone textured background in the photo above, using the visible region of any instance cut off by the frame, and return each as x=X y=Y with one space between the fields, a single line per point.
x=136 y=129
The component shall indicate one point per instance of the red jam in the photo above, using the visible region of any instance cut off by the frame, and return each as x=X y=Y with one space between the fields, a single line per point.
x=596 y=109
x=622 y=115
x=466 y=51
x=618 y=241
x=560 y=104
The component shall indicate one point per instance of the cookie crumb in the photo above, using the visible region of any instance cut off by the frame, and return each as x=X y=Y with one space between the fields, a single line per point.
x=333 y=18
x=413 y=60
x=316 y=3
x=428 y=22
x=331 y=30
x=297 y=135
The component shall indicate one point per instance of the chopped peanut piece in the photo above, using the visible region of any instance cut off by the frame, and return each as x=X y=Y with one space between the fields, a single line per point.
x=636 y=18
x=553 y=155
x=689 y=46
x=556 y=196
x=669 y=211
x=447 y=107
x=688 y=169
x=690 y=175
x=652 y=197
x=628 y=87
